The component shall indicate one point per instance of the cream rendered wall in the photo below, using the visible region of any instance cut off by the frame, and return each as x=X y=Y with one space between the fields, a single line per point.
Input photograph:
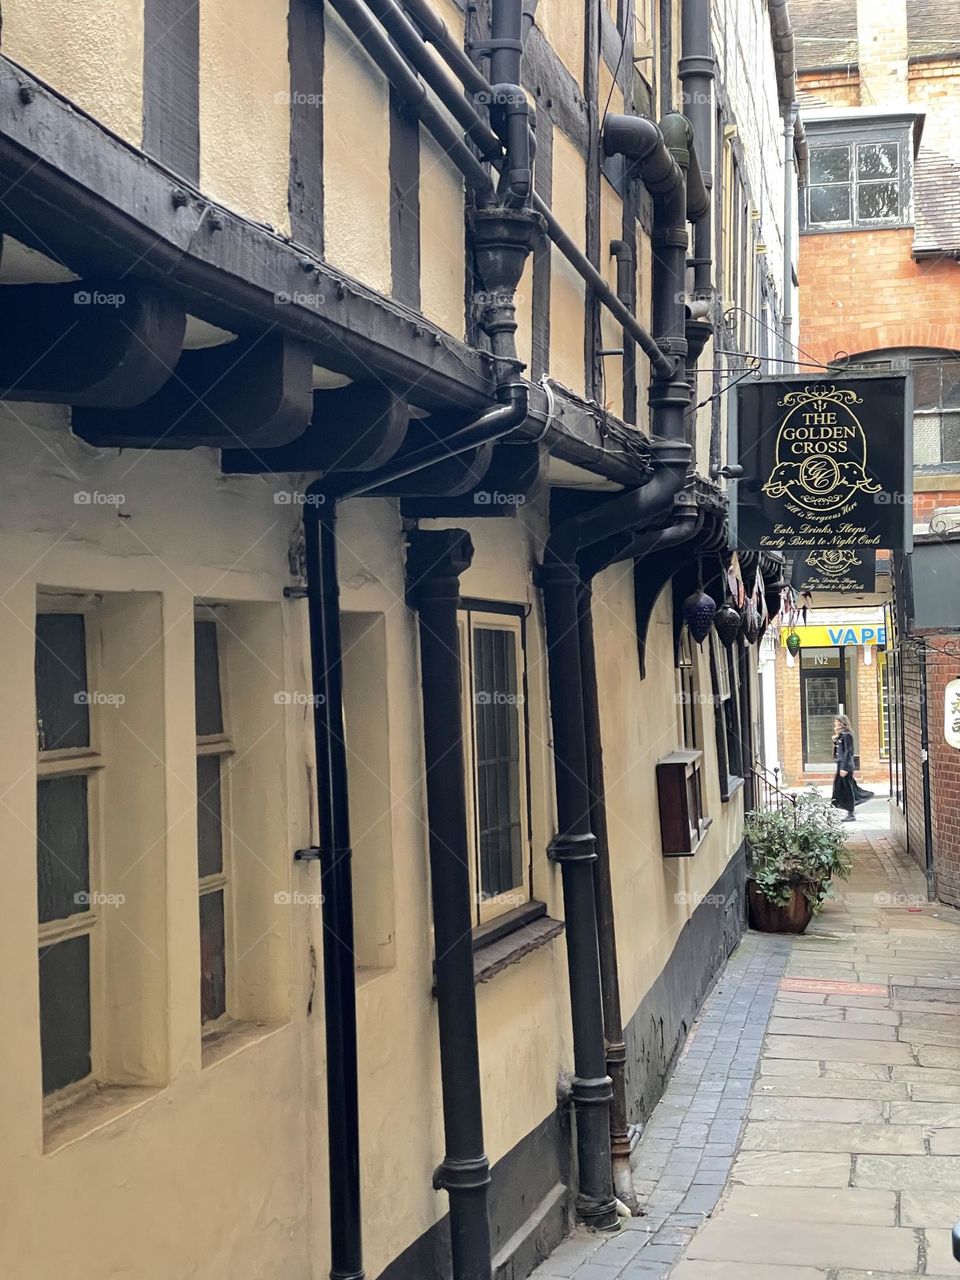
x=356 y=160
x=245 y=108
x=562 y=23
x=653 y=896
x=566 y=287
x=442 y=239
x=611 y=333
x=91 y=53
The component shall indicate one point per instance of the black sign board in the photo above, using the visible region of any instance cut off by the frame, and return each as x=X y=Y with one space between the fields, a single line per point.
x=827 y=463
x=842 y=569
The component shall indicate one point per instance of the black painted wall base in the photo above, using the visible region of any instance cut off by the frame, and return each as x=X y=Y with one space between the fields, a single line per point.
x=657 y=1031
x=530 y=1198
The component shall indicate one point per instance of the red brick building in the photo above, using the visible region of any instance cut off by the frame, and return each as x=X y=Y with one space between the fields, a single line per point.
x=880 y=286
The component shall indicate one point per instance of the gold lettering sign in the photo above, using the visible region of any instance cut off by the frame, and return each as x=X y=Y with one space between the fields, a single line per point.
x=821 y=453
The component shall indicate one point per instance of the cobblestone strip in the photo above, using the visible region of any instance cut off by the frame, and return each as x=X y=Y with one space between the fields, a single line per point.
x=684 y=1156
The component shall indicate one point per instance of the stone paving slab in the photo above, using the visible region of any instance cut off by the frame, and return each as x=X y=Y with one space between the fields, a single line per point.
x=811 y=1129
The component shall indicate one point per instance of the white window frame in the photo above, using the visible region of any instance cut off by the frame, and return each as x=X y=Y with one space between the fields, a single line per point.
x=471 y=620
x=222 y=746
x=80 y=762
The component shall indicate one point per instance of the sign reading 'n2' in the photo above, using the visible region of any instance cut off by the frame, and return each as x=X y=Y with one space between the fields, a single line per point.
x=827 y=463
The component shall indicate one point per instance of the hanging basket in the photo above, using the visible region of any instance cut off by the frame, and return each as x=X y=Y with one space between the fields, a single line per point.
x=699 y=610
x=726 y=623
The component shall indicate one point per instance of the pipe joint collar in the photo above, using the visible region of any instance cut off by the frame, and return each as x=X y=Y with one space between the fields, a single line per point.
x=435 y=560
x=558 y=571
x=566 y=847
x=462 y=1175
x=591 y=1092
x=702 y=65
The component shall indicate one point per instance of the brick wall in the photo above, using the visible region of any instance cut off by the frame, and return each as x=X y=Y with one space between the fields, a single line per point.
x=944 y=775
x=910 y=711
x=882 y=51
x=862 y=291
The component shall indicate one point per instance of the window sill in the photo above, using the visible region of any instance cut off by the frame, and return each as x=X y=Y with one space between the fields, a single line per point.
x=230 y=1037
x=506 y=940
x=69 y=1119
x=730 y=790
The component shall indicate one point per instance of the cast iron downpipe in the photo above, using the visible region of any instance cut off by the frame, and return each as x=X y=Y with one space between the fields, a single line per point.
x=435 y=561
x=574 y=846
x=697 y=72
x=334 y=851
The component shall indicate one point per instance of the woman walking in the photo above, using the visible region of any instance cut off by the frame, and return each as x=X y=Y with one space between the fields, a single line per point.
x=846 y=793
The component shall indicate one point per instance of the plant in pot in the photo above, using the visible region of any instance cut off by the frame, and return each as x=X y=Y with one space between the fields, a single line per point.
x=797 y=850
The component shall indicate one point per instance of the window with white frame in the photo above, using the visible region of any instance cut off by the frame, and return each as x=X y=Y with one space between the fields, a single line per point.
x=857 y=183
x=68 y=862
x=495 y=748
x=214 y=748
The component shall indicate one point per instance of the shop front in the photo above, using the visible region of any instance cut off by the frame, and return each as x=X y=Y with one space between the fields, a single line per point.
x=839 y=668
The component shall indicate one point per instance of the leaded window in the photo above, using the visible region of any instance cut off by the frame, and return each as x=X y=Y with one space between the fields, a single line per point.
x=213 y=751
x=858 y=183
x=67 y=767
x=496 y=757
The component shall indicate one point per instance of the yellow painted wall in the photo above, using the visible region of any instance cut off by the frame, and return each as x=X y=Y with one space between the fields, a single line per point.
x=245 y=108
x=356 y=159
x=91 y=52
x=566 y=287
x=563 y=25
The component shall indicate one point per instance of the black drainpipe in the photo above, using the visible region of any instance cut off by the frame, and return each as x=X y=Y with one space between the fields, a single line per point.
x=574 y=846
x=435 y=561
x=334 y=852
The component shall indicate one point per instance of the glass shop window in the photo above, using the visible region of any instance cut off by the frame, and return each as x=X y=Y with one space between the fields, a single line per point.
x=936 y=416
x=68 y=765
x=856 y=184
x=495 y=748
x=214 y=748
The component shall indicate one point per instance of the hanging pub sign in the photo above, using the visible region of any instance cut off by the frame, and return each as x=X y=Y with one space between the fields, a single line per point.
x=841 y=569
x=827 y=463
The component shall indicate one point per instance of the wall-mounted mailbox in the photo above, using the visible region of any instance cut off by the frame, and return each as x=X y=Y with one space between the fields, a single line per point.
x=680 y=794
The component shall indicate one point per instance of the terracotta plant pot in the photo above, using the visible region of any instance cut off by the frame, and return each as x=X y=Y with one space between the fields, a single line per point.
x=770 y=918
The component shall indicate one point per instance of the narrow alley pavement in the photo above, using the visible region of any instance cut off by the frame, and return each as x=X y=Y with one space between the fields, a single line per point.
x=811 y=1130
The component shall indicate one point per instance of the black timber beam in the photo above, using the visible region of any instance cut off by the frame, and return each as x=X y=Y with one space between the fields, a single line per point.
x=101 y=343
x=254 y=391
x=509 y=480
x=355 y=428
x=78 y=193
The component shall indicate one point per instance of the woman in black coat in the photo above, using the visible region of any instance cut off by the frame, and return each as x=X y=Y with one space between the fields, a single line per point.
x=846 y=793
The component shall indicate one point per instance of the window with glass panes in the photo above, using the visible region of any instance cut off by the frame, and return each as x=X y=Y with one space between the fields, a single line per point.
x=213 y=750
x=856 y=183
x=495 y=749
x=67 y=863
x=688 y=692
x=936 y=400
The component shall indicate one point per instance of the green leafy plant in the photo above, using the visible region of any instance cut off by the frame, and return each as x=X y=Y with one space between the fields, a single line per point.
x=799 y=846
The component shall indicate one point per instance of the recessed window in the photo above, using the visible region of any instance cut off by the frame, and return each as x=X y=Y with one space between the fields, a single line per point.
x=856 y=184
x=688 y=694
x=496 y=752
x=214 y=748
x=67 y=863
